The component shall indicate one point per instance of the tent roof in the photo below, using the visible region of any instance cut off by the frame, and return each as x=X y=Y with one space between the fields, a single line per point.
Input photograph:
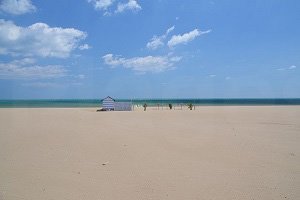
x=108 y=97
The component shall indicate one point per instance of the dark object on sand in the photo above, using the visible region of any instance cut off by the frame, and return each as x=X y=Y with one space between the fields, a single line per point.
x=102 y=109
x=190 y=106
x=145 y=106
x=105 y=163
x=170 y=106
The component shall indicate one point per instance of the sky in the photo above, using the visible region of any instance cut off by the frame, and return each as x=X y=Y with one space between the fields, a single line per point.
x=88 y=49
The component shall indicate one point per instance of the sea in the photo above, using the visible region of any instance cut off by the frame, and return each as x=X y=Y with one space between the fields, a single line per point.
x=74 y=103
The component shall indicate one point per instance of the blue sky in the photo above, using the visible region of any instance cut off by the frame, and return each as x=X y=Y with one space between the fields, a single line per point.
x=149 y=49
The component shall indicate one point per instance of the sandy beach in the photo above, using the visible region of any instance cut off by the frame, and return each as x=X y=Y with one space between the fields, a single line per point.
x=213 y=152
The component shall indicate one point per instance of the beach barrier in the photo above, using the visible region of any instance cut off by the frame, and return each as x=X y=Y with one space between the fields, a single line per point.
x=122 y=106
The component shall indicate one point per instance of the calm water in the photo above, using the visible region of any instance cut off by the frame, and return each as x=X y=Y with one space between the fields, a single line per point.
x=69 y=103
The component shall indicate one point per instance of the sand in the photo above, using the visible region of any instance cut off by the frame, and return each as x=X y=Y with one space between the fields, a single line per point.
x=217 y=152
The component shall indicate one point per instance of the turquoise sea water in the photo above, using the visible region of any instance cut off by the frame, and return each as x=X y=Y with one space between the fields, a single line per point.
x=69 y=103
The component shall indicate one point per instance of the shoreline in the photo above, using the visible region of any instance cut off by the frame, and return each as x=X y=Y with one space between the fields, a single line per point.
x=60 y=103
x=153 y=107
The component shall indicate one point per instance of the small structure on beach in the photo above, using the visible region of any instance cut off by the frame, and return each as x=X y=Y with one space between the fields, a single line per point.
x=109 y=104
x=123 y=106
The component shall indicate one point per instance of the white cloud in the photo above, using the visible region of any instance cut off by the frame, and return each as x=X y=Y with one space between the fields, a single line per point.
x=292 y=67
x=287 y=68
x=17 y=7
x=142 y=64
x=101 y=4
x=212 y=75
x=169 y=30
x=27 y=69
x=186 y=37
x=84 y=47
x=157 y=41
x=108 y=6
x=130 y=5
x=38 y=40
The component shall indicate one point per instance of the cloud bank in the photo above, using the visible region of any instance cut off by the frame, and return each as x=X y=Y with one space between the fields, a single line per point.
x=17 y=7
x=38 y=40
x=142 y=64
x=27 y=69
x=108 y=6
